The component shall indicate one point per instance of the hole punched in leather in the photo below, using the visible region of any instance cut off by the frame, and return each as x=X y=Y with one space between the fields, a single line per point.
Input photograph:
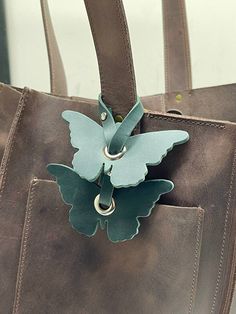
x=114 y=156
x=102 y=210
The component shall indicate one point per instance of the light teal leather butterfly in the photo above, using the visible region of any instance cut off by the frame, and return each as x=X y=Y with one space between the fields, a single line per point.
x=129 y=204
x=111 y=148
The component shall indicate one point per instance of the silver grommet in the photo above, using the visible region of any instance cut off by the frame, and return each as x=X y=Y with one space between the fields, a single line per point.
x=115 y=156
x=103 y=116
x=104 y=212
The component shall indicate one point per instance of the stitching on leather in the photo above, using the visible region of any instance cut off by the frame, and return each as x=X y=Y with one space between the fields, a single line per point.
x=128 y=54
x=230 y=294
x=24 y=246
x=186 y=52
x=166 y=46
x=95 y=38
x=215 y=125
x=222 y=253
x=163 y=103
x=196 y=260
x=50 y=49
x=11 y=141
x=187 y=45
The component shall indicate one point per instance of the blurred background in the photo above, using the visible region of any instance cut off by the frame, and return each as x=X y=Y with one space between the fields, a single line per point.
x=212 y=29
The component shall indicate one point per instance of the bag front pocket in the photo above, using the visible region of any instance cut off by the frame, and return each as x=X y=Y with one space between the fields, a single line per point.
x=61 y=271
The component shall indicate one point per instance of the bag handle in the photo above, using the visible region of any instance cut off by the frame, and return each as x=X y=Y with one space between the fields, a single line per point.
x=57 y=73
x=176 y=42
x=112 y=43
x=176 y=46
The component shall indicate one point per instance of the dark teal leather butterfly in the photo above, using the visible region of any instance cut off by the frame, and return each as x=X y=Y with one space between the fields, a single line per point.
x=99 y=147
x=129 y=204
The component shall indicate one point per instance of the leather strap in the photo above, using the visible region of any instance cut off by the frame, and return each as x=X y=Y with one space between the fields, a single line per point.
x=177 y=51
x=112 y=43
x=176 y=41
x=126 y=128
x=57 y=73
x=116 y=134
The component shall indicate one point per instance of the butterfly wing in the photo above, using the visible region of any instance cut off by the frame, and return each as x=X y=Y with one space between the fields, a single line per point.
x=132 y=203
x=80 y=194
x=87 y=136
x=142 y=150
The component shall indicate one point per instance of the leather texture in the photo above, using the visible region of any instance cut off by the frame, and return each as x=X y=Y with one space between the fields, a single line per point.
x=213 y=164
x=57 y=72
x=176 y=46
x=74 y=274
x=186 y=266
x=9 y=96
x=112 y=43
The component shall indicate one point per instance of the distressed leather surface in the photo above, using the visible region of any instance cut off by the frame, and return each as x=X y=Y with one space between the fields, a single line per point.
x=176 y=46
x=205 y=178
x=74 y=274
x=203 y=175
x=9 y=98
x=111 y=38
x=57 y=73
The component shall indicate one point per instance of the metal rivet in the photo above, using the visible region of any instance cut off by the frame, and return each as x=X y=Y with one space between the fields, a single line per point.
x=115 y=156
x=178 y=97
x=103 y=116
x=118 y=118
x=104 y=212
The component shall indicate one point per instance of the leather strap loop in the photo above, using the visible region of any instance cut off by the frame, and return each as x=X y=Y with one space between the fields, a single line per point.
x=116 y=135
x=106 y=192
x=177 y=52
x=57 y=73
x=126 y=128
x=112 y=43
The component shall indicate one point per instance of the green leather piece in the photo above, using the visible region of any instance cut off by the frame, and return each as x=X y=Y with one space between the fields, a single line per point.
x=118 y=136
x=109 y=125
x=130 y=204
x=131 y=168
x=106 y=191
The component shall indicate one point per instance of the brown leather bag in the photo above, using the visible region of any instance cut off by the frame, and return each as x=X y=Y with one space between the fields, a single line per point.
x=11 y=95
x=183 y=261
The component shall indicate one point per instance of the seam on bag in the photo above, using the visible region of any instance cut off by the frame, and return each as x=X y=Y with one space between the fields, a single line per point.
x=196 y=260
x=24 y=246
x=218 y=126
x=49 y=40
x=166 y=48
x=186 y=51
x=11 y=141
x=163 y=103
x=230 y=294
x=100 y=64
x=222 y=253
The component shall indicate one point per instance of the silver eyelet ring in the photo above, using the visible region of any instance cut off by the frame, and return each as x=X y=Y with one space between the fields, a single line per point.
x=100 y=210
x=115 y=156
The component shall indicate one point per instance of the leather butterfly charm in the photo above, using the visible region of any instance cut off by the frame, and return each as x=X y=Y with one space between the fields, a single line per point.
x=106 y=187
x=136 y=152
x=129 y=204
